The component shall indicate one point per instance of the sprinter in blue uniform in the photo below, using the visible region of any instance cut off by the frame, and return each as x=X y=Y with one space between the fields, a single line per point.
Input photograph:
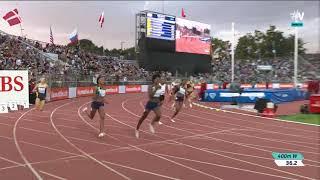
x=153 y=104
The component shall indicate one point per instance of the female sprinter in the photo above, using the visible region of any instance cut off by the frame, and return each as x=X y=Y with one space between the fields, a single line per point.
x=164 y=90
x=97 y=104
x=180 y=96
x=189 y=95
x=174 y=86
x=153 y=104
x=41 y=93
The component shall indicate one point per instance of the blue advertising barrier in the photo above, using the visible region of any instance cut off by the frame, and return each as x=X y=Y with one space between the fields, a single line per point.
x=251 y=95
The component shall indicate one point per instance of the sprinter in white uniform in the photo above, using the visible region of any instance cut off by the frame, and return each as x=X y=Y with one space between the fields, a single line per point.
x=180 y=96
x=162 y=92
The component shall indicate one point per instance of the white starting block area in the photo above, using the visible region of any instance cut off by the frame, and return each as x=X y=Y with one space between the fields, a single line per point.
x=14 y=90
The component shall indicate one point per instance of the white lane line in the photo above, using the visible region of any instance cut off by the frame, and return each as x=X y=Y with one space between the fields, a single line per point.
x=254 y=130
x=193 y=147
x=275 y=119
x=17 y=164
x=140 y=170
x=71 y=137
x=19 y=148
x=52 y=175
x=258 y=157
x=303 y=137
x=271 y=140
x=235 y=133
x=44 y=147
x=293 y=150
x=248 y=129
x=242 y=144
x=8 y=160
x=220 y=165
x=150 y=153
x=43 y=162
x=247 y=162
x=80 y=150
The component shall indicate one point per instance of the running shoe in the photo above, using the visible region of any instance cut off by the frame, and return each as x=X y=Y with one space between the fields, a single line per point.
x=172 y=120
x=84 y=109
x=151 y=128
x=190 y=105
x=160 y=123
x=101 y=134
x=137 y=133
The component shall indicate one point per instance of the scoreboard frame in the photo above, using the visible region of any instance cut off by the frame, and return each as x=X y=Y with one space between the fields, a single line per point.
x=160 y=38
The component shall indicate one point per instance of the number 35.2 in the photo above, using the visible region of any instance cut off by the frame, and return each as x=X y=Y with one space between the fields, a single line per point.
x=291 y=163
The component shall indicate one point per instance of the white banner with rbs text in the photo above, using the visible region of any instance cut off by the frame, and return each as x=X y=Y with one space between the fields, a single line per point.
x=14 y=89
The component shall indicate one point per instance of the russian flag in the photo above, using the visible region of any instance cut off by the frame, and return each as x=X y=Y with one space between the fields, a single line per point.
x=73 y=37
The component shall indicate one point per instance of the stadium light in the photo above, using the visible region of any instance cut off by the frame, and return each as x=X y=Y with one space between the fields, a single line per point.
x=121 y=44
x=232 y=53
x=297 y=18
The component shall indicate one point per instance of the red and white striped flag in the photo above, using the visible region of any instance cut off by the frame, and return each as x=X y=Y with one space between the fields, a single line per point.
x=182 y=13
x=101 y=19
x=12 y=17
x=51 y=36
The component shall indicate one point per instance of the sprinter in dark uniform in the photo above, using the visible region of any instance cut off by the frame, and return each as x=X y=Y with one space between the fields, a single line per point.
x=97 y=104
x=41 y=92
x=153 y=104
x=180 y=96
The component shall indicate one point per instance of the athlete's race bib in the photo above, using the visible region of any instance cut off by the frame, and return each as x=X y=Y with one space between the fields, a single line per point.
x=42 y=90
x=102 y=92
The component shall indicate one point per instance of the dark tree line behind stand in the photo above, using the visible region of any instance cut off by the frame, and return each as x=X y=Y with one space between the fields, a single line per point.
x=88 y=46
x=257 y=45
x=269 y=44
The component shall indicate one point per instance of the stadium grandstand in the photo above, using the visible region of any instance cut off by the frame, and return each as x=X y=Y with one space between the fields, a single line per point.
x=74 y=65
x=180 y=102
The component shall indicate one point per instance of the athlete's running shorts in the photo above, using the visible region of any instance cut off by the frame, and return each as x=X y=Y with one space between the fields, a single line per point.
x=151 y=105
x=96 y=105
x=161 y=97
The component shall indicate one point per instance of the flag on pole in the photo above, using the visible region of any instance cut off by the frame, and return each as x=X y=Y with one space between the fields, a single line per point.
x=182 y=13
x=51 y=36
x=101 y=19
x=73 y=37
x=12 y=17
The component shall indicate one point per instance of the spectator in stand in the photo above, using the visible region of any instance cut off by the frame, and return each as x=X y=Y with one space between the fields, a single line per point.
x=203 y=88
x=32 y=95
x=224 y=86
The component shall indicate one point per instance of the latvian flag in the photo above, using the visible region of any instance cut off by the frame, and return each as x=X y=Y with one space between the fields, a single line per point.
x=12 y=17
x=73 y=37
x=101 y=19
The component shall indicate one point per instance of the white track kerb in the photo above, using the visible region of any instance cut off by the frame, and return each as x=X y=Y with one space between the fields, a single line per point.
x=276 y=119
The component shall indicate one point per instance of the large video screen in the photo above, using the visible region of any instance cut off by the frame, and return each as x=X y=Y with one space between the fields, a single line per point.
x=160 y=26
x=192 y=37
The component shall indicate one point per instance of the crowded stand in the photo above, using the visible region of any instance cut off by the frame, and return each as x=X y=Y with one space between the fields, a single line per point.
x=20 y=53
